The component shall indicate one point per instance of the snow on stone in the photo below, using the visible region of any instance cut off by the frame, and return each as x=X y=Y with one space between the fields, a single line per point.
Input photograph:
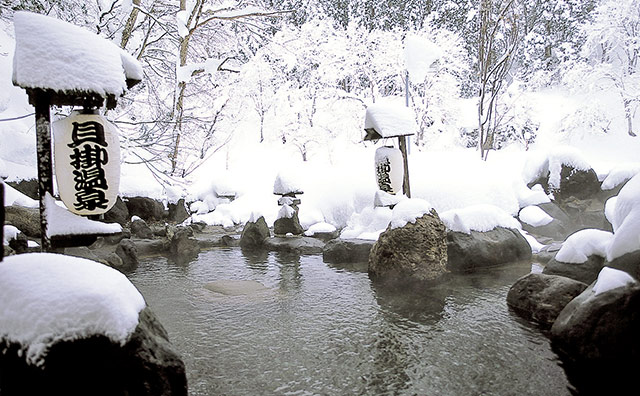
x=419 y=56
x=482 y=217
x=584 y=243
x=408 y=211
x=551 y=162
x=367 y=224
x=383 y=198
x=626 y=220
x=610 y=208
x=15 y=197
x=534 y=216
x=390 y=119
x=530 y=196
x=619 y=175
x=611 y=278
x=62 y=222
x=10 y=233
x=56 y=55
x=286 y=211
x=320 y=227
x=287 y=181
x=536 y=246
x=48 y=298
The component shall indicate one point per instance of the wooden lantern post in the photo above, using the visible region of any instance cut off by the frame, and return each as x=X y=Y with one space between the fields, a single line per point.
x=383 y=122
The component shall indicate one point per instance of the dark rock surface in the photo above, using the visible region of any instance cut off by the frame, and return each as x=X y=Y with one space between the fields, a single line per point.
x=299 y=245
x=140 y=229
x=468 y=252
x=147 y=365
x=128 y=252
x=586 y=272
x=178 y=211
x=630 y=263
x=416 y=252
x=119 y=213
x=26 y=220
x=182 y=247
x=541 y=297
x=596 y=336
x=254 y=234
x=340 y=251
x=288 y=225
x=146 y=208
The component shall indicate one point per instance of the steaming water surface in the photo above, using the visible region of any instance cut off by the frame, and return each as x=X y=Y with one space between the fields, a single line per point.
x=319 y=329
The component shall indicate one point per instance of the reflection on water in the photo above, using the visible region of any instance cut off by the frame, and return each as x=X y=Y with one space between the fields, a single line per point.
x=328 y=330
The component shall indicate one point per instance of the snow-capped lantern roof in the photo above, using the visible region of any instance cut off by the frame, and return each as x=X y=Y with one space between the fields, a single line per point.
x=387 y=120
x=70 y=63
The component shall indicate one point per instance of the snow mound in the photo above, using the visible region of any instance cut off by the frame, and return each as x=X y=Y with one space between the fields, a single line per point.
x=534 y=216
x=368 y=224
x=480 y=218
x=419 y=55
x=319 y=227
x=610 y=208
x=620 y=174
x=286 y=212
x=611 y=278
x=62 y=222
x=551 y=162
x=533 y=196
x=584 y=243
x=48 y=298
x=626 y=220
x=81 y=60
x=408 y=211
x=10 y=233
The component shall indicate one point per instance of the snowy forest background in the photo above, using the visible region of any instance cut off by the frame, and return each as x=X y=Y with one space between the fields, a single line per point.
x=234 y=86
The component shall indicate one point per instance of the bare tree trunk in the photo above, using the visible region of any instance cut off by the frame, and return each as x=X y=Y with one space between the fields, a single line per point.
x=130 y=24
x=628 y=114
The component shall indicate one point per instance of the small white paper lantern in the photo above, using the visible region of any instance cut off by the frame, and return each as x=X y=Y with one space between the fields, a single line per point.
x=389 y=169
x=87 y=163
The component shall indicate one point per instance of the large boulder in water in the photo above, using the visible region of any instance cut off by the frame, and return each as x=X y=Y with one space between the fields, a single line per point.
x=585 y=272
x=119 y=213
x=596 y=336
x=147 y=364
x=541 y=297
x=254 y=234
x=468 y=252
x=415 y=252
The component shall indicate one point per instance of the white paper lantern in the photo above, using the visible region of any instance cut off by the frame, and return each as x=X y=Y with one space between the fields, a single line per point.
x=389 y=169
x=87 y=163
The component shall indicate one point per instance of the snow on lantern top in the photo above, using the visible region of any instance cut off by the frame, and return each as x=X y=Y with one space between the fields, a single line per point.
x=389 y=120
x=420 y=56
x=58 y=56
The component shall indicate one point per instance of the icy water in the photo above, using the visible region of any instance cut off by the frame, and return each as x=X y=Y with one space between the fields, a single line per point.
x=325 y=330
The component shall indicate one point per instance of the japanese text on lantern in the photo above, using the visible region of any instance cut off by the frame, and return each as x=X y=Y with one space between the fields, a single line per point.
x=88 y=159
x=383 y=169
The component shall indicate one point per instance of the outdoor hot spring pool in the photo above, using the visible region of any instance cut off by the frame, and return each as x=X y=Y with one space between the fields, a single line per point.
x=326 y=330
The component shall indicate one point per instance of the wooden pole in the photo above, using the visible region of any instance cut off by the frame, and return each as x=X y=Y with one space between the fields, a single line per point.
x=2 y=218
x=406 y=188
x=45 y=172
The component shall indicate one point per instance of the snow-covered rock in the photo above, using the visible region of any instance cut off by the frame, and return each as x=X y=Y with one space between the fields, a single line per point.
x=579 y=246
x=626 y=221
x=534 y=216
x=481 y=218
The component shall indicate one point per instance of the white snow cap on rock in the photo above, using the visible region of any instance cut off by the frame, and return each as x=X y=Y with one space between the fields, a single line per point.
x=480 y=218
x=551 y=162
x=319 y=227
x=626 y=220
x=584 y=243
x=619 y=175
x=408 y=211
x=368 y=224
x=287 y=181
x=611 y=278
x=534 y=216
x=53 y=54
x=10 y=232
x=48 y=298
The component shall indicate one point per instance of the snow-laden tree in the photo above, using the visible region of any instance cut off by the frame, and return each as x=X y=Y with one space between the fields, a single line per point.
x=612 y=48
x=441 y=66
